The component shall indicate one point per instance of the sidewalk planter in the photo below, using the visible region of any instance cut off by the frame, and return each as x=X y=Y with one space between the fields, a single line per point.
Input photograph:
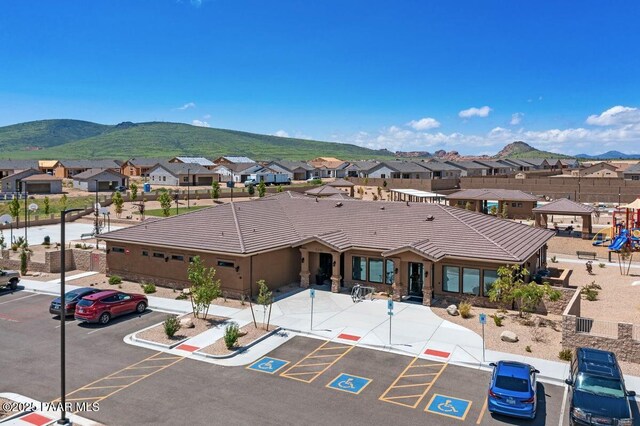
x=151 y=342
x=240 y=350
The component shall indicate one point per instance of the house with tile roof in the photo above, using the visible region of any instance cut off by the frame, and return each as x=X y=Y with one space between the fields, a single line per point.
x=470 y=168
x=140 y=166
x=31 y=181
x=182 y=174
x=360 y=169
x=328 y=167
x=497 y=168
x=295 y=170
x=100 y=180
x=632 y=172
x=200 y=161
x=67 y=169
x=9 y=167
x=233 y=159
x=394 y=247
x=397 y=169
x=515 y=203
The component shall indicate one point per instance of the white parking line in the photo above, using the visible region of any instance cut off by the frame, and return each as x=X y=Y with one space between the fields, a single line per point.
x=564 y=404
x=19 y=298
x=97 y=329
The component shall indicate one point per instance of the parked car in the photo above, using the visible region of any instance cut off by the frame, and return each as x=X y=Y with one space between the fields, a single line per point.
x=71 y=299
x=598 y=394
x=121 y=188
x=512 y=390
x=9 y=279
x=101 y=307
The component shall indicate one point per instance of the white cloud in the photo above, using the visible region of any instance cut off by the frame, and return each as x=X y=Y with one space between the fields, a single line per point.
x=424 y=123
x=200 y=123
x=281 y=133
x=516 y=118
x=186 y=106
x=618 y=115
x=475 y=112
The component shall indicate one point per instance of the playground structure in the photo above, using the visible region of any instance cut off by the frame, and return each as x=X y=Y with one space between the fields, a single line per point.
x=623 y=237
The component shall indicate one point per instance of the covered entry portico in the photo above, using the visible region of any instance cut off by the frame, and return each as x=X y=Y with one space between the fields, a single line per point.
x=403 y=273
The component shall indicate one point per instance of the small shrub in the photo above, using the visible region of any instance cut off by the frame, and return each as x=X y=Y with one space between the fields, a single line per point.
x=231 y=334
x=465 y=309
x=528 y=349
x=115 y=279
x=602 y=265
x=181 y=296
x=171 y=326
x=78 y=245
x=554 y=259
x=565 y=355
x=590 y=291
x=538 y=334
x=149 y=288
x=497 y=320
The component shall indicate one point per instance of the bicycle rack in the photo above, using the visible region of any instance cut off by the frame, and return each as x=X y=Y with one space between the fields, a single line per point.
x=360 y=293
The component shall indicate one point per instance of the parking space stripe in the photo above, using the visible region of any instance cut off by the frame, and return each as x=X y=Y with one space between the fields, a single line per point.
x=407 y=400
x=322 y=367
x=19 y=298
x=484 y=408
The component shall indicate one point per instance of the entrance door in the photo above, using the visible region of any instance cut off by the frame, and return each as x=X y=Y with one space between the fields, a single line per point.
x=416 y=278
x=325 y=266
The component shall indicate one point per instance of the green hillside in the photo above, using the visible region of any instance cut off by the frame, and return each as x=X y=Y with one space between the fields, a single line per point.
x=71 y=139
x=36 y=135
x=523 y=150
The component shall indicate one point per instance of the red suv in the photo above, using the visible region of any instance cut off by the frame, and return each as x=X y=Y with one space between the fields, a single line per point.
x=101 y=307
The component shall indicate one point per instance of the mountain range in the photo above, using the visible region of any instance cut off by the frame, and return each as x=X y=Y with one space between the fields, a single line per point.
x=76 y=139
x=609 y=155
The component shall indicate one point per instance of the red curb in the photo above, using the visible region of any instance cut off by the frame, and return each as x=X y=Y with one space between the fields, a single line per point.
x=349 y=337
x=188 y=348
x=36 y=419
x=437 y=353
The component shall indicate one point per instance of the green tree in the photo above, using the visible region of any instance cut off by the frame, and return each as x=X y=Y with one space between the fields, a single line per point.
x=493 y=210
x=23 y=260
x=505 y=211
x=165 y=203
x=134 y=191
x=14 y=209
x=63 y=202
x=510 y=288
x=251 y=190
x=265 y=298
x=468 y=206
x=118 y=203
x=204 y=287
x=47 y=205
x=215 y=190
x=262 y=189
x=279 y=188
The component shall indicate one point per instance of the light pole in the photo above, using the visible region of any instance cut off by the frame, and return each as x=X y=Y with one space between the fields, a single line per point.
x=188 y=185
x=95 y=208
x=63 y=214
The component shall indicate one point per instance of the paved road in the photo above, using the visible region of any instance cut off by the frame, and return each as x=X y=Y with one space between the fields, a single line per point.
x=170 y=390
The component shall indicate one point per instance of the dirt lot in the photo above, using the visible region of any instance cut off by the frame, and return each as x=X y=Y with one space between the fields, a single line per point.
x=568 y=245
x=249 y=333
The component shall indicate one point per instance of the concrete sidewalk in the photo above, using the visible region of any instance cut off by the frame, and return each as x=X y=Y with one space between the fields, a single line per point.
x=415 y=330
x=40 y=413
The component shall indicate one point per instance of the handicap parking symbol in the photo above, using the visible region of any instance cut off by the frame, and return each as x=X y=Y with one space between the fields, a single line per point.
x=349 y=383
x=449 y=406
x=268 y=365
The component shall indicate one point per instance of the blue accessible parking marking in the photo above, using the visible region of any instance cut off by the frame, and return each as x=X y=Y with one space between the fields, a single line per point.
x=268 y=365
x=449 y=406
x=349 y=383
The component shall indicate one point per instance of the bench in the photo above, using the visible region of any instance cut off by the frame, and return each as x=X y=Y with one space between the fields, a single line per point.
x=91 y=235
x=586 y=254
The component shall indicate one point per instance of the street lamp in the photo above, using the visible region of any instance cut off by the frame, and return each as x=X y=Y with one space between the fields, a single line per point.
x=95 y=208
x=63 y=214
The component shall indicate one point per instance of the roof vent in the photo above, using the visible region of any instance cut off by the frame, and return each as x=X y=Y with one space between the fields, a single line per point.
x=429 y=218
x=338 y=204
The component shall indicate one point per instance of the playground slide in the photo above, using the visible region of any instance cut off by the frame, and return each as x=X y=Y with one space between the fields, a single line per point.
x=618 y=242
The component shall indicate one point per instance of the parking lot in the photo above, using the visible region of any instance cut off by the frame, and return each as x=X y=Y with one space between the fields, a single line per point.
x=303 y=381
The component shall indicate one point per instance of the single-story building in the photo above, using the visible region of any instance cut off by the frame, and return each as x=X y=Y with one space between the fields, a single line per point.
x=400 y=170
x=295 y=170
x=13 y=182
x=233 y=159
x=470 y=168
x=418 y=250
x=632 y=172
x=10 y=167
x=239 y=172
x=140 y=166
x=66 y=169
x=31 y=181
x=328 y=167
x=100 y=180
x=598 y=170
x=518 y=204
x=182 y=174
x=497 y=168
x=360 y=168
x=200 y=161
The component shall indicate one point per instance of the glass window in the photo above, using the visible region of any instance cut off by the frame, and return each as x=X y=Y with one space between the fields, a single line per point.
x=359 y=267
x=177 y=257
x=471 y=281
x=117 y=250
x=376 y=270
x=389 y=272
x=158 y=255
x=488 y=278
x=225 y=263
x=145 y=253
x=451 y=279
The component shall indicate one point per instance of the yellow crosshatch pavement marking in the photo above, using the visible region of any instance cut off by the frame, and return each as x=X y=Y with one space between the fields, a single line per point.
x=105 y=387
x=413 y=384
x=321 y=361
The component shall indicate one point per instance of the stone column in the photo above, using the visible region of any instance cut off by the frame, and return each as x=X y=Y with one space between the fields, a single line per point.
x=335 y=273
x=397 y=288
x=587 y=229
x=304 y=268
x=427 y=286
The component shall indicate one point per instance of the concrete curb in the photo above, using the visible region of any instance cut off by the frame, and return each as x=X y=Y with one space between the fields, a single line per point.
x=151 y=342
x=239 y=351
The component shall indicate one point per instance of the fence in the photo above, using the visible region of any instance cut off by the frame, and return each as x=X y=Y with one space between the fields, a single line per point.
x=597 y=327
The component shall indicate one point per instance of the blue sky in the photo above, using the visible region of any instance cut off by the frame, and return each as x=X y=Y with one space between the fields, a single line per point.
x=408 y=75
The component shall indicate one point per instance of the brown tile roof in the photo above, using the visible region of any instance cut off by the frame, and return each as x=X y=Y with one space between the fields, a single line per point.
x=92 y=173
x=564 y=206
x=492 y=194
x=436 y=231
x=41 y=178
x=324 y=190
x=341 y=183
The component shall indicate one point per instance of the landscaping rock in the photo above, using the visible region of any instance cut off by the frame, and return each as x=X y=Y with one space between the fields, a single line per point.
x=508 y=336
x=186 y=323
x=452 y=310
